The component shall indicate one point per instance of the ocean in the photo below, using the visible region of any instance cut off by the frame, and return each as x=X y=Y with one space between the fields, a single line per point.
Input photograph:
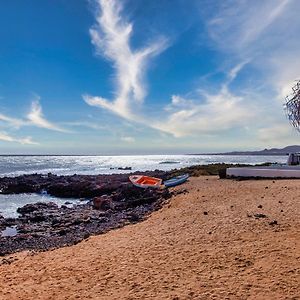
x=69 y=165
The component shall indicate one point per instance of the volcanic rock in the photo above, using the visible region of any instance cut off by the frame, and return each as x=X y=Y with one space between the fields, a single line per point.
x=29 y=208
x=41 y=226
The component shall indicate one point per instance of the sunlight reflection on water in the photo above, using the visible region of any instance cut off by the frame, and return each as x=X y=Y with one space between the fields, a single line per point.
x=69 y=165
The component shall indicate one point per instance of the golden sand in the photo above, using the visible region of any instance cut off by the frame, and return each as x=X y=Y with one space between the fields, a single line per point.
x=205 y=244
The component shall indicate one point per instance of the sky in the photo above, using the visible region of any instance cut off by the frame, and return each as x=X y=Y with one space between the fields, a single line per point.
x=146 y=77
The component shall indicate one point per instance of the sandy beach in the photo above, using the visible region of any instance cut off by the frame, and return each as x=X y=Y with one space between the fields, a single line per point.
x=222 y=239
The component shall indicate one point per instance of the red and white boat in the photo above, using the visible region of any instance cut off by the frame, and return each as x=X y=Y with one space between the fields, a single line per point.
x=145 y=181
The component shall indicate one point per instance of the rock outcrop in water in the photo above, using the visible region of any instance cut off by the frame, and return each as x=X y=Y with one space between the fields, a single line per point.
x=42 y=226
x=75 y=186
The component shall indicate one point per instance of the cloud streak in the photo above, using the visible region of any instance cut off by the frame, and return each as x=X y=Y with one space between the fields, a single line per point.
x=24 y=141
x=266 y=34
x=128 y=139
x=207 y=113
x=111 y=37
x=13 y=122
x=244 y=32
x=36 y=117
x=238 y=25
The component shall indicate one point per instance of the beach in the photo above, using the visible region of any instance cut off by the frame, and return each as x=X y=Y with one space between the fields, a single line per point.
x=213 y=239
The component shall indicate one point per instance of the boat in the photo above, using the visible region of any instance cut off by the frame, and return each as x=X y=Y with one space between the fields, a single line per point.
x=176 y=180
x=143 y=181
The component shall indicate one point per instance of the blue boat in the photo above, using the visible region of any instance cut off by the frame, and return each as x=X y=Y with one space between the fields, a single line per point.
x=176 y=180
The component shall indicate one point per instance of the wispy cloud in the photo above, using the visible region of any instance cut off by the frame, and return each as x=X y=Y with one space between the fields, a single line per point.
x=243 y=31
x=233 y=73
x=88 y=124
x=264 y=31
x=13 y=122
x=207 y=113
x=266 y=34
x=111 y=38
x=8 y=138
x=128 y=139
x=238 y=25
x=277 y=134
x=36 y=118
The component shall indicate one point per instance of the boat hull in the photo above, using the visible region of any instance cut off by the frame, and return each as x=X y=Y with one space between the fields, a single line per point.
x=176 y=180
x=145 y=181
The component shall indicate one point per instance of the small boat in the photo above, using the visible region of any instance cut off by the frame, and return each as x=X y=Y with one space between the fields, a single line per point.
x=176 y=180
x=145 y=181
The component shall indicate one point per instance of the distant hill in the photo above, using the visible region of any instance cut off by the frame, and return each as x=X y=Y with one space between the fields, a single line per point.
x=272 y=151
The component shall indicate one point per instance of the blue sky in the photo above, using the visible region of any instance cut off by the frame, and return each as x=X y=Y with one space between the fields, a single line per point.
x=132 y=77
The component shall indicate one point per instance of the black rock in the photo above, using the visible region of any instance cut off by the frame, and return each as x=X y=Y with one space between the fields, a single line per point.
x=43 y=226
x=258 y=216
x=29 y=208
x=124 y=168
x=274 y=222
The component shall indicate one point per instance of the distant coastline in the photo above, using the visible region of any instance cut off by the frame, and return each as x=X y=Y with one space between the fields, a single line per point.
x=265 y=152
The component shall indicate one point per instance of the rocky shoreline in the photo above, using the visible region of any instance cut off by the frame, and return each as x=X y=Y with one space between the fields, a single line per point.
x=114 y=202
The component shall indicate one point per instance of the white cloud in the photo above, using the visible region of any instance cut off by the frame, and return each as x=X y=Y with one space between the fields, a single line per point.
x=277 y=134
x=247 y=34
x=209 y=114
x=128 y=139
x=238 y=25
x=261 y=20
x=111 y=38
x=87 y=124
x=233 y=73
x=266 y=33
x=13 y=122
x=25 y=141
x=36 y=117
x=274 y=132
x=285 y=70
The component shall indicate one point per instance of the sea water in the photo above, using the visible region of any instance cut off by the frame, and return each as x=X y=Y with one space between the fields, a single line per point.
x=69 y=165
x=10 y=203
